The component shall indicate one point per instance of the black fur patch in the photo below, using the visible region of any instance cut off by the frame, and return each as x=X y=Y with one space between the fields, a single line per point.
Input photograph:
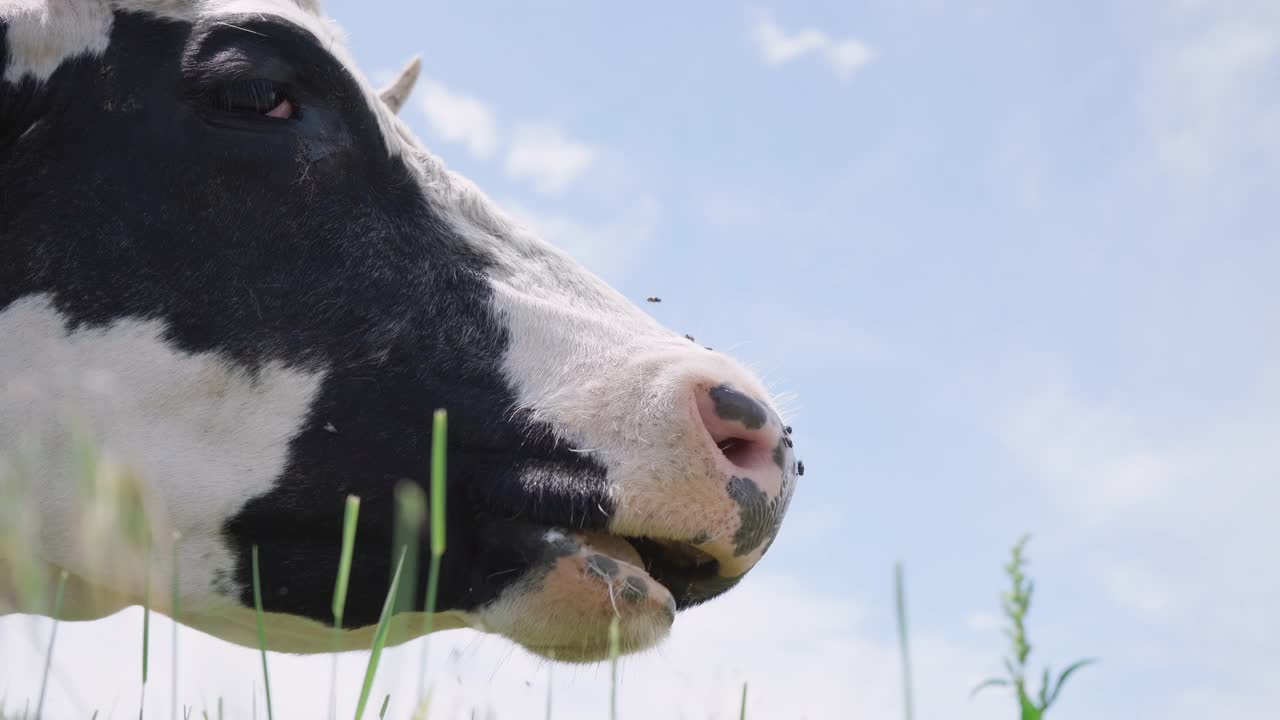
x=760 y=514
x=126 y=192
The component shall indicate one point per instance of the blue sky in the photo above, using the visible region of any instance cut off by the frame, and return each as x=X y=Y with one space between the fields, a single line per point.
x=1014 y=267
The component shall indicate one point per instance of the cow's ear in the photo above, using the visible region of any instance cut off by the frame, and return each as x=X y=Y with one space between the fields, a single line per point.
x=398 y=91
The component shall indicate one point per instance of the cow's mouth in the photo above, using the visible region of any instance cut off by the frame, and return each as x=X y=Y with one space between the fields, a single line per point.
x=689 y=574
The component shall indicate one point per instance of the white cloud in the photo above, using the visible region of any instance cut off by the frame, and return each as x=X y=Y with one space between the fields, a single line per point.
x=847 y=55
x=540 y=153
x=1109 y=464
x=802 y=653
x=459 y=118
x=1210 y=96
x=778 y=47
x=1092 y=457
x=1181 y=519
x=543 y=155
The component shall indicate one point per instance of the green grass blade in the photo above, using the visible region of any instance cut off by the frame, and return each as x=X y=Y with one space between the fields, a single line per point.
x=1062 y=678
x=990 y=682
x=349 y=518
x=53 y=635
x=383 y=712
x=1028 y=708
x=411 y=513
x=439 y=450
x=900 y=603
x=614 y=643
x=262 y=632
x=379 y=639
x=742 y=708
x=351 y=514
x=439 y=430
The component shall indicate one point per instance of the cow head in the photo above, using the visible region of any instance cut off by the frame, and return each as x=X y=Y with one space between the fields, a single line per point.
x=227 y=260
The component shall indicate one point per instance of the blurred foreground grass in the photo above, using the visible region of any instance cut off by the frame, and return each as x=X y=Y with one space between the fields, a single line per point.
x=119 y=508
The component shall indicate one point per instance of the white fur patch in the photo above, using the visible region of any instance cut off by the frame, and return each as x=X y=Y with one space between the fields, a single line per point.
x=604 y=375
x=43 y=35
x=201 y=435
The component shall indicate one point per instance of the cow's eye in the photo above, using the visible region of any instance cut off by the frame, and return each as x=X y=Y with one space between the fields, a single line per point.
x=257 y=96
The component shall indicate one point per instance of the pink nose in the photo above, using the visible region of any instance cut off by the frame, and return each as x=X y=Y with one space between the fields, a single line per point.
x=749 y=436
x=757 y=466
x=701 y=530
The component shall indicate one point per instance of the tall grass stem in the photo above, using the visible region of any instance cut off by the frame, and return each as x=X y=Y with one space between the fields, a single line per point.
x=350 y=515
x=439 y=450
x=262 y=633
x=900 y=598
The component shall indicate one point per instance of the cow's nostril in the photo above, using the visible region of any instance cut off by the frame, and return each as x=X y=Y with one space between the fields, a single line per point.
x=739 y=426
x=739 y=451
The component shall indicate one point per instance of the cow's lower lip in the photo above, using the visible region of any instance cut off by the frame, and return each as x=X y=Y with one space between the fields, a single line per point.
x=683 y=569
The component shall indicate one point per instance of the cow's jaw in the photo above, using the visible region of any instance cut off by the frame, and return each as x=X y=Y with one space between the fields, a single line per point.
x=700 y=467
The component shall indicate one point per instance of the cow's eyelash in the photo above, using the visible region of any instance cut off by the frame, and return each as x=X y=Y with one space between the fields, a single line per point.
x=255 y=95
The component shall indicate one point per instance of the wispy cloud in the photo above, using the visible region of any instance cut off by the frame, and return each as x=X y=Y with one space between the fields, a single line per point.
x=778 y=47
x=543 y=155
x=459 y=118
x=1092 y=457
x=539 y=153
x=1210 y=97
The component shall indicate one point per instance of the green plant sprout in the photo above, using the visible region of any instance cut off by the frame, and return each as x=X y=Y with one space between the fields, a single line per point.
x=1016 y=603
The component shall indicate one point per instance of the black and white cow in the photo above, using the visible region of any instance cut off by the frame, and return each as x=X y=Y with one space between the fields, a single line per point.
x=227 y=266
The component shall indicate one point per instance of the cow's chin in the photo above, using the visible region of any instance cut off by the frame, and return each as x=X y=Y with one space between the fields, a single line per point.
x=563 y=608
